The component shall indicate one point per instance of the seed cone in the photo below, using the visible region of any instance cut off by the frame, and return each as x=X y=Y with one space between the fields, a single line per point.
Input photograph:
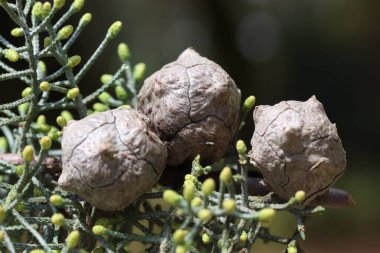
x=111 y=158
x=193 y=105
x=296 y=147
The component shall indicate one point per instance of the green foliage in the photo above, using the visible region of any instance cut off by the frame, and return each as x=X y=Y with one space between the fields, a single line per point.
x=223 y=221
x=36 y=216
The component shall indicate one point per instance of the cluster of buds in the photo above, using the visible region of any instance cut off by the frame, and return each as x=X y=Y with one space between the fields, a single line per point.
x=207 y=214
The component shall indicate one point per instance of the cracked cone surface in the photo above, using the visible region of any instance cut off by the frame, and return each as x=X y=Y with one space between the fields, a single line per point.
x=193 y=105
x=296 y=147
x=111 y=158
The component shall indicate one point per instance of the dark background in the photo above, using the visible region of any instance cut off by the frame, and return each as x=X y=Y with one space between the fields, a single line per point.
x=276 y=50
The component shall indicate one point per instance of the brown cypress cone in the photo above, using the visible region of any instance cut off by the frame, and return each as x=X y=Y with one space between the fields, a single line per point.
x=110 y=158
x=296 y=147
x=193 y=106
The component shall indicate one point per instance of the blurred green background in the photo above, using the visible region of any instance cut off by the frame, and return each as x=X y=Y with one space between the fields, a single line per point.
x=276 y=50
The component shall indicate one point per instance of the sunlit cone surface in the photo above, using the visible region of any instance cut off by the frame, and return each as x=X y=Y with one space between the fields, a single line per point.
x=193 y=105
x=296 y=147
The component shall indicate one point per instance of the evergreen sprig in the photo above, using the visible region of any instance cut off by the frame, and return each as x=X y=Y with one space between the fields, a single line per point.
x=36 y=216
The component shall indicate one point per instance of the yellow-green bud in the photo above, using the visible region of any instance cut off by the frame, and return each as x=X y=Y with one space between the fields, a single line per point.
x=43 y=128
x=104 y=222
x=291 y=249
x=37 y=192
x=106 y=78
x=19 y=170
x=61 y=121
x=47 y=41
x=220 y=243
x=300 y=196
x=11 y=55
x=127 y=107
x=56 y=251
x=23 y=108
x=12 y=195
x=229 y=205
x=114 y=29
x=67 y=115
x=42 y=68
x=78 y=5
x=206 y=239
x=186 y=182
x=2 y=214
x=58 y=219
x=17 y=32
x=196 y=202
x=54 y=133
x=226 y=175
x=26 y=92
x=191 y=178
x=3 y=144
x=139 y=71
x=28 y=153
x=189 y=191
x=249 y=103
x=72 y=239
x=171 y=197
x=243 y=236
x=2 y=234
x=179 y=212
x=73 y=61
x=45 y=143
x=126 y=248
x=99 y=107
x=65 y=32
x=45 y=86
x=72 y=93
x=179 y=236
x=59 y=3
x=241 y=147
x=180 y=249
x=99 y=230
x=41 y=120
x=266 y=216
x=123 y=52
x=208 y=186
x=46 y=9
x=86 y=18
x=37 y=10
x=121 y=93
x=204 y=215
x=104 y=97
x=37 y=251
x=56 y=200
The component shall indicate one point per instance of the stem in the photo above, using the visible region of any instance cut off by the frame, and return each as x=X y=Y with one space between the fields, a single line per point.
x=16 y=103
x=14 y=120
x=131 y=84
x=62 y=58
x=31 y=230
x=96 y=93
x=15 y=74
x=244 y=184
x=8 y=242
x=221 y=195
x=94 y=57
x=134 y=237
